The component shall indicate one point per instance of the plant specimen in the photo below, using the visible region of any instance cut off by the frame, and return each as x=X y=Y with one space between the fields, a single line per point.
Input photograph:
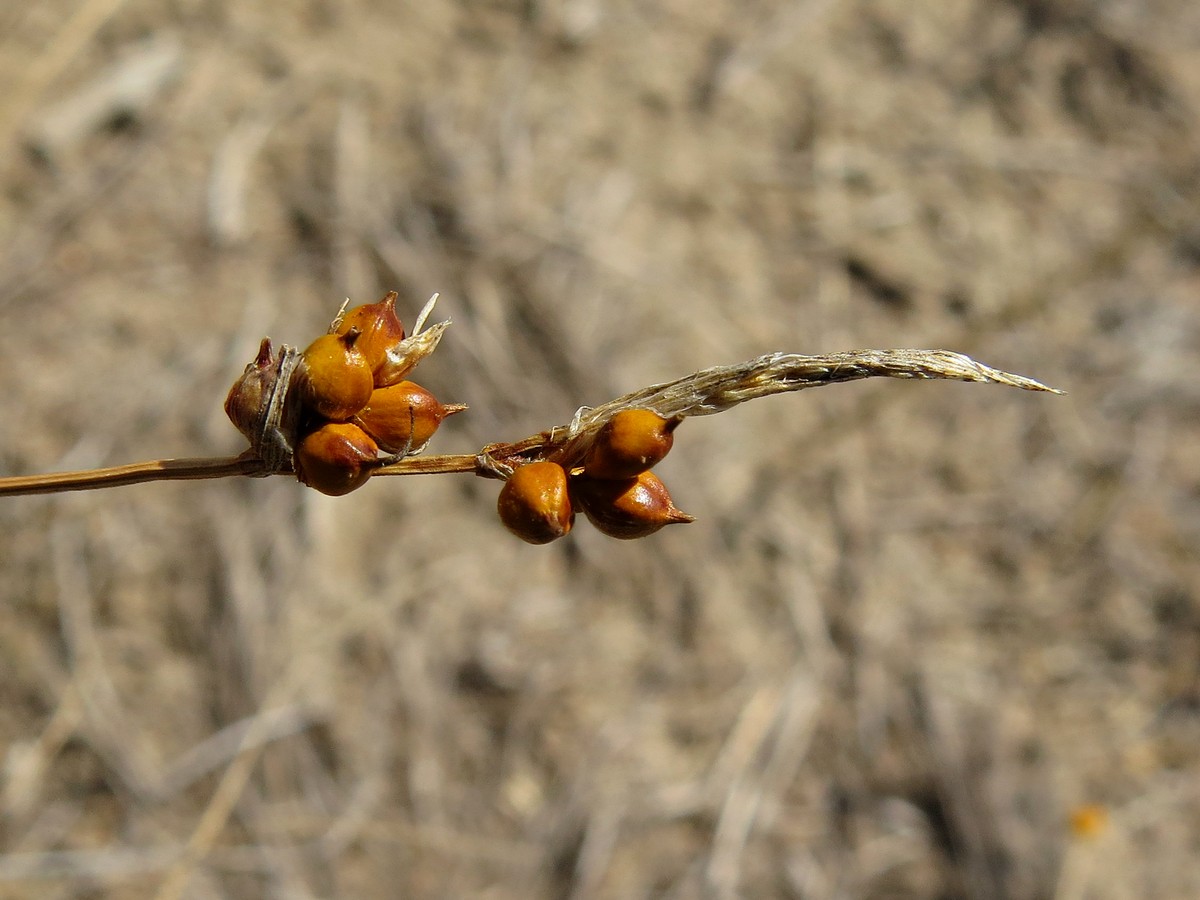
x=344 y=412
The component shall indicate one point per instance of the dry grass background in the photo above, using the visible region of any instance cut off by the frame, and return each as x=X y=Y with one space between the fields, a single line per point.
x=916 y=626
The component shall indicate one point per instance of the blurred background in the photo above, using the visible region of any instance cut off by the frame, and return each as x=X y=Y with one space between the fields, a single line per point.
x=925 y=640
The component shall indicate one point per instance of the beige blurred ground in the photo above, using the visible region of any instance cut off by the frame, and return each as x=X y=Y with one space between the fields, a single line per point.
x=917 y=625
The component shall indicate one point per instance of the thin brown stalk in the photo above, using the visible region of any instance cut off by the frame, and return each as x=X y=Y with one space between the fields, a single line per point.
x=132 y=473
x=699 y=394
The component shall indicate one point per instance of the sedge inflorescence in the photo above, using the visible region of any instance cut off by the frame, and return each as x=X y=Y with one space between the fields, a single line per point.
x=343 y=407
x=613 y=487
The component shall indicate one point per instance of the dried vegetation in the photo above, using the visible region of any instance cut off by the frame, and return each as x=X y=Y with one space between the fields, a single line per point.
x=923 y=641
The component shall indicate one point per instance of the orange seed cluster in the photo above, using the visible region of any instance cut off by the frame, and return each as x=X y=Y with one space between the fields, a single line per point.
x=615 y=488
x=344 y=403
x=344 y=407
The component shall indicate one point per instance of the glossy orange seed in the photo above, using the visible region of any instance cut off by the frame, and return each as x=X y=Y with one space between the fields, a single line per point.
x=629 y=443
x=402 y=418
x=335 y=459
x=629 y=508
x=333 y=377
x=380 y=327
x=534 y=503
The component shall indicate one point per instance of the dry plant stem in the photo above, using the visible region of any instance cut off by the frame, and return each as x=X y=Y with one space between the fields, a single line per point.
x=700 y=394
x=133 y=473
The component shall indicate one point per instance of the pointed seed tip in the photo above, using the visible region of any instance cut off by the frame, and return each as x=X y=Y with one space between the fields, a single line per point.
x=264 y=353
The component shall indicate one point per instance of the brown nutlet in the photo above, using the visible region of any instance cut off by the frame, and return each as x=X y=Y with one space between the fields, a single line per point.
x=534 y=503
x=246 y=404
x=629 y=443
x=333 y=377
x=336 y=459
x=257 y=405
x=380 y=326
x=629 y=508
x=403 y=417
